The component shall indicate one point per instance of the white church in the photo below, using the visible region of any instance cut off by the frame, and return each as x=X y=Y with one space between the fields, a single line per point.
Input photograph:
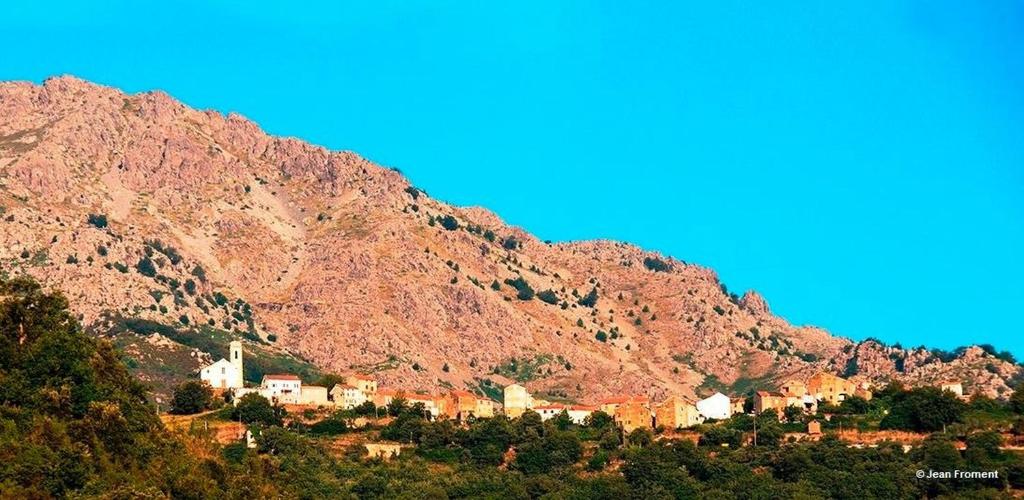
x=225 y=374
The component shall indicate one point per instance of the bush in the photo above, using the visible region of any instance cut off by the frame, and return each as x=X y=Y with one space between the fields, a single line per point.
x=146 y=267
x=450 y=223
x=98 y=220
x=657 y=265
x=601 y=336
x=191 y=397
x=590 y=299
x=525 y=292
x=328 y=427
x=548 y=296
x=510 y=243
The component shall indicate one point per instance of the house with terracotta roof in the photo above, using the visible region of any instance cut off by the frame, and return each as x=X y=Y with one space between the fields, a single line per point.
x=459 y=405
x=384 y=397
x=609 y=405
x=634 y=414
x=363 y=382
x=347 y=396
x=830 y=388
x=282 y=388
x=579 y=413
x=766 y=400
x=677 y=413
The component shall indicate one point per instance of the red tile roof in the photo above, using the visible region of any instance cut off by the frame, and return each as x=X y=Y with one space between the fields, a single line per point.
x=615 y=400
x=281 y=376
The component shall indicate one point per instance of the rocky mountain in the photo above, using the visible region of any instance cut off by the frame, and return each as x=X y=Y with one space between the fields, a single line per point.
x=172 y=230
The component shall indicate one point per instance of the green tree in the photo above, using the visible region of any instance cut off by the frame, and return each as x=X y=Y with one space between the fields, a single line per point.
x=1017 y=400
x=923 y=409
x=555 y=450
x=253 y=408
x=192 y=396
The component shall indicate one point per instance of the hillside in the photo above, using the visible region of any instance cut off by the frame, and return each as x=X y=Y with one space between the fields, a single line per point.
x=172 y=230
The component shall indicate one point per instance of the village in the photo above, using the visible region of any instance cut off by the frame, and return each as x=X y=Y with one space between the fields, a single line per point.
x=629 y=412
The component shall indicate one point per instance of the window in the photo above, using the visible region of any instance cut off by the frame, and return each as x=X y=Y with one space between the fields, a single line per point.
x=222 y=370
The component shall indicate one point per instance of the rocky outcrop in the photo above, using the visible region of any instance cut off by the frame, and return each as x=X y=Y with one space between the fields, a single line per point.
x=754 y=303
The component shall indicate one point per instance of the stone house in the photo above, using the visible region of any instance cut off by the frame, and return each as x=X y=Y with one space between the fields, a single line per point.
x=830 y=388
x=677 y=413
x=633 y=414
x=347 y=396
x=516 y=400
x=364 y=383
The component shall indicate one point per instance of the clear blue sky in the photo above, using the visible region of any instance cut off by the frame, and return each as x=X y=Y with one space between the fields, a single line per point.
x=860 y=165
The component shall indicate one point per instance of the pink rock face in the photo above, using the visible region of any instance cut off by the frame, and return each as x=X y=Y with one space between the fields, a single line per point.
x=349 y=268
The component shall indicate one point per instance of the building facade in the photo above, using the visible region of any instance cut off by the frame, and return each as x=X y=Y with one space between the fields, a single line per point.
x=225 y=373
x=677 y=413
x=716 y=406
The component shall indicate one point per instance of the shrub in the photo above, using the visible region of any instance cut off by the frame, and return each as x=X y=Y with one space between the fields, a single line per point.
x=328 y=427
x=98 y=220
x=450 y=223
x=548 y=296
x=510 y=243
x=657 y=265
x=146 y=267
x=590 y=299
x=601 y=336
x=525 y=292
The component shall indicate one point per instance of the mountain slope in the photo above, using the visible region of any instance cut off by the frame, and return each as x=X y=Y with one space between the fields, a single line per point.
x=202 y=221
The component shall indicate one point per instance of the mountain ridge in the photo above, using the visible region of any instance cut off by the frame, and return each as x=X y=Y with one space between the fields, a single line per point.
x=334 y=259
